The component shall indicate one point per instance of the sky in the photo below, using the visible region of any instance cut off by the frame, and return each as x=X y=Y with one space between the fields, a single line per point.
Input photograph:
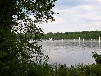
x=75 y=16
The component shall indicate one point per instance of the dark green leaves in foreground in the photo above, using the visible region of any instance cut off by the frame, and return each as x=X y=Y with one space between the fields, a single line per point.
x=18 y=56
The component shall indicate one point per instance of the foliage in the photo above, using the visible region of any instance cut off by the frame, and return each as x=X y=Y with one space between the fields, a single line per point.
x=73 y=35
x=97 y=58
x=17 y=54
x=63 y=70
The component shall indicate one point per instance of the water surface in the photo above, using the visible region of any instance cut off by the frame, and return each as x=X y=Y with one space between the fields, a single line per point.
x=71 y=52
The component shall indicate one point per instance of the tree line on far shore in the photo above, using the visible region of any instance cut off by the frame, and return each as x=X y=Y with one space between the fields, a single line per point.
x=73 y=35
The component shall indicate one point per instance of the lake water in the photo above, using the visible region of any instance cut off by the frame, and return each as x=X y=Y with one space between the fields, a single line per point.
x=71 y=52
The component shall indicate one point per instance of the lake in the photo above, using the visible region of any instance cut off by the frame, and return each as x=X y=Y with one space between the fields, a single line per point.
x=71 y=52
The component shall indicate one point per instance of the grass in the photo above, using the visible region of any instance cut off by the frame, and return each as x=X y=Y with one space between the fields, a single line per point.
x=63 y=70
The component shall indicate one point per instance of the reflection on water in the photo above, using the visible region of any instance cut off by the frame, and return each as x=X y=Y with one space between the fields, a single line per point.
x=71 y=52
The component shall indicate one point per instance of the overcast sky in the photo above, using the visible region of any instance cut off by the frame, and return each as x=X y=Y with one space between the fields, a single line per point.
x=75 y=15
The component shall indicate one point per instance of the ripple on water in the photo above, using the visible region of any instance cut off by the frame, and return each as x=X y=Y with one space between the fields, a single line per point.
x=70 y=52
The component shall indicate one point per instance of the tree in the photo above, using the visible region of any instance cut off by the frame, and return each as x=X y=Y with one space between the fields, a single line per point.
x=16 y=52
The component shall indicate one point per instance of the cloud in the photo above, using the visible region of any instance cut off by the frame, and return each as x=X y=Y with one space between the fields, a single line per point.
x=75 y=3
x=75 y=15
x=99 y=0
